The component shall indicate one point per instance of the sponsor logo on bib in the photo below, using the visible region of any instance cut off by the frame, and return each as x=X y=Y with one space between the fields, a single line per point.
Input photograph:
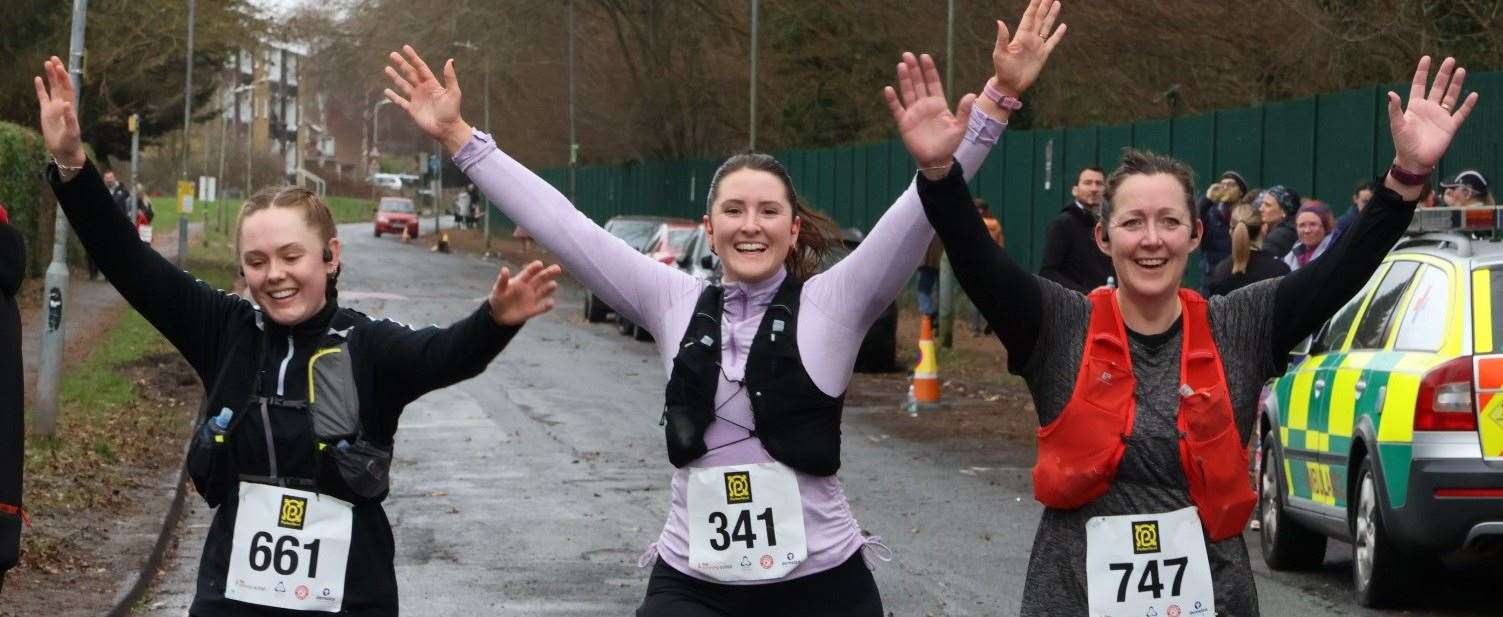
x=738 y=487
x=1145 y=537
x=293 y=509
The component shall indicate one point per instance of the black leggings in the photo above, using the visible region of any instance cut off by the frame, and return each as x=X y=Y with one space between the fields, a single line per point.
x=847 y=590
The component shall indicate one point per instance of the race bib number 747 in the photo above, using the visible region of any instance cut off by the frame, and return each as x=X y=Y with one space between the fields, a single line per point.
x=1149 y=564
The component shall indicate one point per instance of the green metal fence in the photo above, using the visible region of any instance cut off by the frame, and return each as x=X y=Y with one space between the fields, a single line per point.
x=1321 y=146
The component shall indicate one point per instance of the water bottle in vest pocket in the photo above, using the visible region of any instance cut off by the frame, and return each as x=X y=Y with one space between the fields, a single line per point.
x=1215 y=464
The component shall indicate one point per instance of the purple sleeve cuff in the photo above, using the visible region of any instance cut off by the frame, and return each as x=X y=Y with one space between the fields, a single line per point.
x=479 y=145
x=980 y=128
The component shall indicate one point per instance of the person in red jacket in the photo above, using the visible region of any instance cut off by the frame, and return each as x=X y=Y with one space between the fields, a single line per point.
x=1147 y=393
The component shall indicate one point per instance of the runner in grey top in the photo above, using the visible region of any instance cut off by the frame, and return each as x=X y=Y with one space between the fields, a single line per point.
x=1043 y=326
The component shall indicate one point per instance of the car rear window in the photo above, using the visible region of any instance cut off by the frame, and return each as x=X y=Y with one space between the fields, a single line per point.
x=1373 y=329
x=396 y=205
x=1422 y=327
x=635 y=233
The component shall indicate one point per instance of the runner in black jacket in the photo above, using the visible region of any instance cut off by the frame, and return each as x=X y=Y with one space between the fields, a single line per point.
x=316 y=497
x=12 y=429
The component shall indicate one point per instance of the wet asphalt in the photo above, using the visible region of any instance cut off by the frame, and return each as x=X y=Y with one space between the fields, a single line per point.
x=533 y=488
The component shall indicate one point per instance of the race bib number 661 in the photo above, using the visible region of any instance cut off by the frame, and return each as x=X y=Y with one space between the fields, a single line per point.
x=1150 y=564
x=290 y=549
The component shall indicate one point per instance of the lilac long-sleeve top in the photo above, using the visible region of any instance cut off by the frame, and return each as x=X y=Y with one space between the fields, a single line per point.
x=836 y=309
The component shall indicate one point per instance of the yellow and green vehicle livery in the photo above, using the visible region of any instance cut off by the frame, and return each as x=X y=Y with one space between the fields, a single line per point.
x=1388 y=432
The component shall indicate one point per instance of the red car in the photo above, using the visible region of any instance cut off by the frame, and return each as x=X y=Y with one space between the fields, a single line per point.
x=396 y=214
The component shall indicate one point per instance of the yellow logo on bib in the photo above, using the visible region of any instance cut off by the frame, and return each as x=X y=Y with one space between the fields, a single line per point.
x=738 y=487
x=1145 y=537
x=293 y=509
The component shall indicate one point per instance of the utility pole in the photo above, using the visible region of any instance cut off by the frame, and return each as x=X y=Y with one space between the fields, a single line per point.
x=752 y=142
x=487 y=123
x=573 y=136
x=49 y=372
x=134 y=124
x=947 y=282
x=182 y=219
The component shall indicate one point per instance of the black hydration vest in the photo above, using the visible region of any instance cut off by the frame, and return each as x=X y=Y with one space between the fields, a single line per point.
x=349 y=465
x=797 y=423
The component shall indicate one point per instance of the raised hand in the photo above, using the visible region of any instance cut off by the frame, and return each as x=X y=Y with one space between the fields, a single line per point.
x=59 y=117
x=930 y=132
x=433 y=106
x=1018 y=59
x=1423 y=130
x=514 y=300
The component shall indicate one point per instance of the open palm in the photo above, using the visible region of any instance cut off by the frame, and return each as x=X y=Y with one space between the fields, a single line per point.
x=1423 y=130
x=1018 y=59
x=59 y=119
x=515 y=299
x=930 y=132
x=433 y=106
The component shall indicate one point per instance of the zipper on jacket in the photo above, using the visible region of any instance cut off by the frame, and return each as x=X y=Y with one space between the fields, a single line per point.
x=282 y=371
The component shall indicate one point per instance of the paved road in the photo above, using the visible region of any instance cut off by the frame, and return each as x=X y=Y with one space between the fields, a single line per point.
x=532 y=489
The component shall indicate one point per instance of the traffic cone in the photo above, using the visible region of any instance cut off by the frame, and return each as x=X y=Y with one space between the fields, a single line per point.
x=443 y=243
x=925 y=391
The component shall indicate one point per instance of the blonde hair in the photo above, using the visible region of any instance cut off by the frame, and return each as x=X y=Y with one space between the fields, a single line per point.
x=1247 y=227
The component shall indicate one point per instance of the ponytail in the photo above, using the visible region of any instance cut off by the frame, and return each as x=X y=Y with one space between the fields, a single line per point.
x=1247 y=225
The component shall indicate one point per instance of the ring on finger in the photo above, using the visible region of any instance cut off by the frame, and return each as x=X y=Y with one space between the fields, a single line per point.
x=1445 y=107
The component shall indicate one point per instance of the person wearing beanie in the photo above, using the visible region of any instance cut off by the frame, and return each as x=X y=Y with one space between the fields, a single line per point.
x=1278 y=204
x=1314 y=226
x=1215 y=209
x=12 y=429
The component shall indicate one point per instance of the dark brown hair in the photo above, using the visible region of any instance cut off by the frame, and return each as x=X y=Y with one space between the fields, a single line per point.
x=315 y=213
x=817 y=232
x=1145 y=163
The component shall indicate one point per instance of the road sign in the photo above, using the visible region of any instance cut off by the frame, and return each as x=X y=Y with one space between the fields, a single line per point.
x=185 y=197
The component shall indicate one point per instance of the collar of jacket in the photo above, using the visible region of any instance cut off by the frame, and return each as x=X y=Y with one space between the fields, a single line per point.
x=318 y=324
x=752 y=297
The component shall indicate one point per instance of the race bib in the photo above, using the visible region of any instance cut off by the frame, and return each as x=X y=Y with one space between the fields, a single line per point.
x=1148 y=564
x=746 y=522
x=291 y=548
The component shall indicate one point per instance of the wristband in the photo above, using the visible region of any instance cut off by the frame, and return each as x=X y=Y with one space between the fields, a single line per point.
x=1009 y=103
x=1406 y=177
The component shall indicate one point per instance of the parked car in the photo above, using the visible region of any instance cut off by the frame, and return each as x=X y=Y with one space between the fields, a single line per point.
x=390 y=182
x=395 y=214
x=666 y=245
x=635 y=231
x=698 y=260
x=1388 y=433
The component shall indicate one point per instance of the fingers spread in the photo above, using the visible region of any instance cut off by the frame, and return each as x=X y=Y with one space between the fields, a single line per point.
x=931 y=76
x=42 y=97
x=405 y=67
x=451 y=79
x=963 y=110
x=1453 y=91
x=1466 y=109
x=1026 y=22
x=1395 y=113
x=905 y=82
x=397 y=100
x=1442 y=77
x=401 y=84
x=1003 y=36
x=893 y=104
x=1421 y=74
x=424 y=73
x=1054 y=39
x=1049 y=18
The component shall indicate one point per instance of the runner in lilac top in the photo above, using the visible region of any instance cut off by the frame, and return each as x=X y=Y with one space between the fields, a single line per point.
x=836 y=306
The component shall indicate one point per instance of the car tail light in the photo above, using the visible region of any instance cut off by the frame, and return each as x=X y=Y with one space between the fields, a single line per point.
x=1469 y=492
x=668 y=258
x=1446 y=398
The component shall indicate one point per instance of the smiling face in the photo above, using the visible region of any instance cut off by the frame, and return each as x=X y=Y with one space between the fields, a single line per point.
x=1272 y=213
x=1150 y=233
x=751 y=225
x=1310 y=229
x=282 y=258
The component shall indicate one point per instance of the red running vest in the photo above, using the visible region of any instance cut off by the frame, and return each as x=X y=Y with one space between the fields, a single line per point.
x=1080 y=450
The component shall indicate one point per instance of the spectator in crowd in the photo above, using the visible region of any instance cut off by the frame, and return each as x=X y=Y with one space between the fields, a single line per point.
x=1215 y=209
x=1313 y=226
x=12 y=427
x=143 y=206
x=1248 y=263
x=928 y=280
x=121 y=197
x=1071 y=257
x=993 y=229
x=1467 y=190
x=1360 y=197
x=1278 y=205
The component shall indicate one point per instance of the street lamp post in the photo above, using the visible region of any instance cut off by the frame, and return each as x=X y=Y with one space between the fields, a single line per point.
x=182 y=219
x=49 y=373
x=485 y=125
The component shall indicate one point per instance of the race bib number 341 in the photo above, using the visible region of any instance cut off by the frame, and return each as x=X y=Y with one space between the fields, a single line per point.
x=746 y=522
x=291 y=548
x=1149 y=564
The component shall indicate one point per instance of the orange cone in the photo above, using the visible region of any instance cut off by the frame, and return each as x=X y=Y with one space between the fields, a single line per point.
x=926 y=374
